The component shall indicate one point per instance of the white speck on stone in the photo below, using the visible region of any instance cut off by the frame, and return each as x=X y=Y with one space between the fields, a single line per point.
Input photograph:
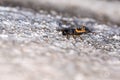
x=3 y=36
x=7 y=8
x=6 y=23
x=79 y=77
x=101 y=27
x=116 y=37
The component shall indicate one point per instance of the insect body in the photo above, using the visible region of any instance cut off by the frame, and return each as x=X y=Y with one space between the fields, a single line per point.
x=74 y=31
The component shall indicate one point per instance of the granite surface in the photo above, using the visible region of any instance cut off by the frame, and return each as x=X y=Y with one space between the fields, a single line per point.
x=32 y=49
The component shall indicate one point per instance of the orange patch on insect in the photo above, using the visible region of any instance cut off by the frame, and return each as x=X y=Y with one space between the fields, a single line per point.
x=80 y=31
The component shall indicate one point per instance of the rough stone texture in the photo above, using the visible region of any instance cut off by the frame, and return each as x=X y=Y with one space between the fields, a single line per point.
x=104 y=11
x=32 y=49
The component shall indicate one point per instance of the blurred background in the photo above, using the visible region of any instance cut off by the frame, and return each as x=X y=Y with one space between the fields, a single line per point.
x=102 y=10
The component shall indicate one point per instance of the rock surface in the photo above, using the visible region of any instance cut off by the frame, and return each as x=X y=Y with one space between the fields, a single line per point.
x=32 y=49
x=104 y=11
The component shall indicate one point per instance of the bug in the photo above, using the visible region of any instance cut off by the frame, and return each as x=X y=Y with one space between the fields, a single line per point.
x=74 y=31
x=74 y=28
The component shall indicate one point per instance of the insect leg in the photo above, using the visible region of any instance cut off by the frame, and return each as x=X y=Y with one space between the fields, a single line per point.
x=83 y=27
x=81 y=38
x=94 y=33
x=74 y=36
x=68 y=37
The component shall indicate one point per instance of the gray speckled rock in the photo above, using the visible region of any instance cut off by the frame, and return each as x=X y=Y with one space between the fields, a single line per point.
x=103 y=10
x=32 y=49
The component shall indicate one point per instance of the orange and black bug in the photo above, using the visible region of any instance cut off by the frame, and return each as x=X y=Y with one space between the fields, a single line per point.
x=72 y=30
x=75 y=31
